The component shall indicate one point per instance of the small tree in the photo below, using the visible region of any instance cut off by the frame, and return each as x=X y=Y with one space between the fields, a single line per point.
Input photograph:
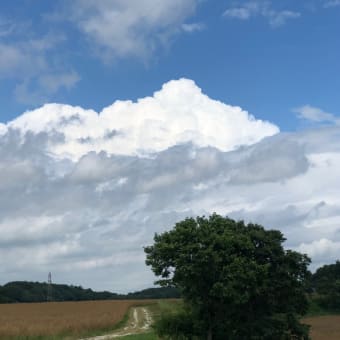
x=237 y=279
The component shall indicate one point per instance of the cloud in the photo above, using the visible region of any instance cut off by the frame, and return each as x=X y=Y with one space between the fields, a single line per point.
x=264 y=9
x=6 y=27
x=280 y=160
x=83 y=207
x=324 y=249
x=315 y=114
x=277 y=19
x=36 y=59
x=3 y=128
x=37 y=90
x=194 y=27
x=126 y=28
x=245 y=12
x=332 y=3
x=178 y=113
x=30 y=60
x=53 y=82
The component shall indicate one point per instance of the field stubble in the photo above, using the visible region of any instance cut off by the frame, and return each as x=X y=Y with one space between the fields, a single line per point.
x=62 y=318
x=324 y=327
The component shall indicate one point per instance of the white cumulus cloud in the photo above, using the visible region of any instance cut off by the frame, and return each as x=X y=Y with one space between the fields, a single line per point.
x=82 y=192
x=3 y=128
x=178 y=113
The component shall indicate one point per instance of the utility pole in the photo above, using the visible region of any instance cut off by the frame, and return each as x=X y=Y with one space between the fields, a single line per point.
x=49 y=288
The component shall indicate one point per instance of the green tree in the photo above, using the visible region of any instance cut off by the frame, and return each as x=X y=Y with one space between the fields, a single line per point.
x=326 y=283
x=236 y=279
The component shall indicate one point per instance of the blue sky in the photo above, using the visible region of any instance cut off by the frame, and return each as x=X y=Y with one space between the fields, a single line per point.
x=120 y=117
x=266 y=67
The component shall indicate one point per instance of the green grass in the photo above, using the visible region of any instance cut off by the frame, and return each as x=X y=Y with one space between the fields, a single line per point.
x=157 y=309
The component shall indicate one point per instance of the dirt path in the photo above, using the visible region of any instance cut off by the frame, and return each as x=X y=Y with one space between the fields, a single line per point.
x=139 y=322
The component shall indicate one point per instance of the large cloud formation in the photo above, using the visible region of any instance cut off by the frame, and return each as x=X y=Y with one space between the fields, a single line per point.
x=81 y=193
x=178 y=113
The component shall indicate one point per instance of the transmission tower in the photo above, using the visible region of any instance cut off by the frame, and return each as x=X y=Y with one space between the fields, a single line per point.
x=49 y=287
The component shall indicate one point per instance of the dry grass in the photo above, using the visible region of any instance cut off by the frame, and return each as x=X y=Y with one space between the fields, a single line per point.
x=324 y=327
x=49 y=319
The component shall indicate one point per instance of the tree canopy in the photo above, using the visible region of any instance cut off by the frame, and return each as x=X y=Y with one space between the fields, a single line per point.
x=23 y=291
x=237 y=280
x=326 y=283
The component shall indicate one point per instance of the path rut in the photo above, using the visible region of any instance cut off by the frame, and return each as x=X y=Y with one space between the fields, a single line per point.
x=139 y=322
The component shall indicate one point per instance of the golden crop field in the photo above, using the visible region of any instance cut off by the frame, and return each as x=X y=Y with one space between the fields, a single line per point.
x=324 y=327
x=52 y=318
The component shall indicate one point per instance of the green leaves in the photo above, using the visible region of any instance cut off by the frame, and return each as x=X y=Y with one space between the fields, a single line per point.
x=326 y=283
x=234 y=276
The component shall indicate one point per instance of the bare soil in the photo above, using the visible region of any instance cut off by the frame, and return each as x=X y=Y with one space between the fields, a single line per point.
x=324 y=327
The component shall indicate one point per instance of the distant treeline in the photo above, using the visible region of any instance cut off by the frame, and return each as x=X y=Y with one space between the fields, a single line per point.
x=23 y=291
x=325 y=284
x=323 y=289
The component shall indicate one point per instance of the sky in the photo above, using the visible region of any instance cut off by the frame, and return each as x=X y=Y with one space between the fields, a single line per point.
x=119 y=118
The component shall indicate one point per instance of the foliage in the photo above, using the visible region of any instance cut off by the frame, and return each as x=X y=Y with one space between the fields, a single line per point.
x=237 y=279
x=179 y=325
x=326 y=283
x=314 y=308
x=176 y=322
x=22 y=291
x=155 y=293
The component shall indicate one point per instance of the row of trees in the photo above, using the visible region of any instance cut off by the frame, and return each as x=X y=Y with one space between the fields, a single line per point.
x=23 y=291
x=237 y=281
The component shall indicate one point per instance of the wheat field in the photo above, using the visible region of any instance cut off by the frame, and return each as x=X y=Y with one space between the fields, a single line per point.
x=80 y=318
x=57 y=318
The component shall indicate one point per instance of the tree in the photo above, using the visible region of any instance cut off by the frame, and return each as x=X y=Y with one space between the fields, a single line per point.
x=237 y=279
x=326 y=283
